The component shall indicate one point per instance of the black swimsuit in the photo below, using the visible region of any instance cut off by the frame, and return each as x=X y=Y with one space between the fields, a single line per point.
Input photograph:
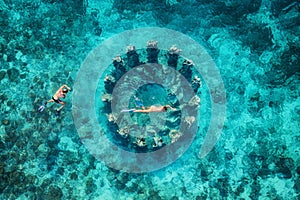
x=56 y=100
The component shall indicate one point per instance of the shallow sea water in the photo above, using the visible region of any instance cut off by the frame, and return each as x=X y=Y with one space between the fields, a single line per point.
x=255 y=46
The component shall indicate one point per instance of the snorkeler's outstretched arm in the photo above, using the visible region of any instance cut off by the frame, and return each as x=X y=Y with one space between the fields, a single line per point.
x=168 y=106
x=65 y=86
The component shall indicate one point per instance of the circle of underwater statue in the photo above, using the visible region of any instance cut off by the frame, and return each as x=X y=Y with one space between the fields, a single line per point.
x=125 y=82
x=133 y=145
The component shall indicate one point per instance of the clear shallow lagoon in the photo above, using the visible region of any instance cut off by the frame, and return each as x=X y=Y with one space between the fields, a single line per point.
x=255 y=45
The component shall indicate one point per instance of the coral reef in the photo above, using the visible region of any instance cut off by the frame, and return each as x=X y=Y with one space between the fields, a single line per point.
x=255 y=45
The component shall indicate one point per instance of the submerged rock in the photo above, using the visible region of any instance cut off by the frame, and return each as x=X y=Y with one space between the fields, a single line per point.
x=98 y=31
x=5 y=122
x=281 y=7
x=298 y=170
x=2 y=74
x=284 y=167
x=53 y=192
x=13 y=74
x=284 y=173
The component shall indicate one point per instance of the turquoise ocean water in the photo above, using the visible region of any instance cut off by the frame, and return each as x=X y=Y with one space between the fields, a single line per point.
x=255 y=47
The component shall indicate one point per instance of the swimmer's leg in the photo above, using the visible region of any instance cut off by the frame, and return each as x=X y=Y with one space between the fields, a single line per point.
x=142 y=111
x=59 y=109
x=128 y=110
x=42 y=107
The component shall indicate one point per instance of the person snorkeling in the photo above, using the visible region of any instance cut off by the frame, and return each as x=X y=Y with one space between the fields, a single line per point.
x=153 y=109
x=150 y=109
x=60 y=93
